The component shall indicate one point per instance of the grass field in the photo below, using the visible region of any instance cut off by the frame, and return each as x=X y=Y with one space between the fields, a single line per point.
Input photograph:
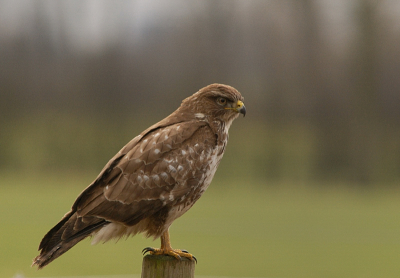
x=237 y=229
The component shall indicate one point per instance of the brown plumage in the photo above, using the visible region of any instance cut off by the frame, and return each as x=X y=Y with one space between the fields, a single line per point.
x=152 y=180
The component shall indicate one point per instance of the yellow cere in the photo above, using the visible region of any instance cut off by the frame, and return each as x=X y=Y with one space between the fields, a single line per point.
x=240 y=104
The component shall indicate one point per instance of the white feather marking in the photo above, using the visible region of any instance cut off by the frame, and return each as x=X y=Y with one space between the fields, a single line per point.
x=155 y=178
x=183 y=152
x=172 y=168
x=156 y=151
x=157 y=134
x=199 y=116
x=171 y=196
x=178 y=127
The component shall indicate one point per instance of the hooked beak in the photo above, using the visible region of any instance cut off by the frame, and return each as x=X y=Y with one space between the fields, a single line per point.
x=240 y=108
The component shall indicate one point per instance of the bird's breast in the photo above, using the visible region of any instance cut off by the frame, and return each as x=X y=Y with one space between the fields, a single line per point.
x=197 y=191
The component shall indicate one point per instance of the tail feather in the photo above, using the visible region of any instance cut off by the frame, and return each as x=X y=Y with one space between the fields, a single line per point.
x=47 y=257
x=64 y=236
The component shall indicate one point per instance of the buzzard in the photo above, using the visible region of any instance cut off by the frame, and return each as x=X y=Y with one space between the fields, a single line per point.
x=152 y=180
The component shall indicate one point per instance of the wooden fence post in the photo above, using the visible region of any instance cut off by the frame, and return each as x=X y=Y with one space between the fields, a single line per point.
x=167 y=267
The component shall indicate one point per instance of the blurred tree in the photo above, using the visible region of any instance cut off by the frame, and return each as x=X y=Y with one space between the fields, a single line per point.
x=366 y=156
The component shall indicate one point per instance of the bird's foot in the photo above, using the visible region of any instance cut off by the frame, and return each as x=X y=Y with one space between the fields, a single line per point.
x=176 y=253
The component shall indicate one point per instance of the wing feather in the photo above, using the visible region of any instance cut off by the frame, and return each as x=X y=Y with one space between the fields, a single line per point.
x=145 y=174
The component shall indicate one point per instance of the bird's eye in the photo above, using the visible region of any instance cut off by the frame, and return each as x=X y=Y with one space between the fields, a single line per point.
x=221 y=101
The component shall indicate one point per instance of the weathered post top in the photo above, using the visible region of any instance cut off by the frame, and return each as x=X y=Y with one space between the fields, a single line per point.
x=167 y=267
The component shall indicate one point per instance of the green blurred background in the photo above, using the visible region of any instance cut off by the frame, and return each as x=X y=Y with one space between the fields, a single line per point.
x=309 y=185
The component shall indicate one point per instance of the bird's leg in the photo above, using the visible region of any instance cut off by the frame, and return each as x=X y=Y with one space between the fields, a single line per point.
x=166 y=249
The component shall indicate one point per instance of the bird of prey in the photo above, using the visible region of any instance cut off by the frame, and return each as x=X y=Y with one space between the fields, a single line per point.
x=152 y=180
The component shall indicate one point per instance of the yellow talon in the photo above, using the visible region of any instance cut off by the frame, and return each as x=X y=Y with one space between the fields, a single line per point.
x=166 y=249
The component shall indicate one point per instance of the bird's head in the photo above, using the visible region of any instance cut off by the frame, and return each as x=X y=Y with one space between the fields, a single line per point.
x=216 y=101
